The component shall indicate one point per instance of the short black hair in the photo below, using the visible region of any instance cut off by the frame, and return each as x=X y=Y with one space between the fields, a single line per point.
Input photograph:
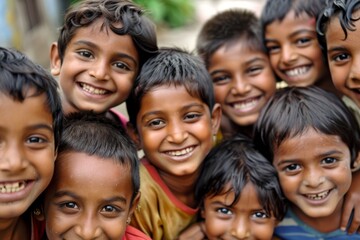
x=293 y=110
x=274 y=10
x=19 y=74
x=131 y=16
x=95 y=134
x=236 y=161
x=229 y=27
x=171 y=67
x=343 y=10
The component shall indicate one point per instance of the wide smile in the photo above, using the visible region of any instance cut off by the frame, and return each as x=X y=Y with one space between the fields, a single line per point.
x=93 y=90
x=12 y=187
x=297 y=72
x=181 y=152
x=246 y=105
x=318 y=196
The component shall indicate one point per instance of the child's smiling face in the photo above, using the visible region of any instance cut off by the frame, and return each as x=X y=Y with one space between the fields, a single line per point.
x=294 y=51
x=27 y=152
x=246 y=219
x=176 y=129
x=98 y=68
x=314 y=173
x=89 y=197
x=243 y=81
x=344 y=57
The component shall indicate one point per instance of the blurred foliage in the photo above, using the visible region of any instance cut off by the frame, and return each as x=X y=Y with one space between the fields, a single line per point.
x=169 y=13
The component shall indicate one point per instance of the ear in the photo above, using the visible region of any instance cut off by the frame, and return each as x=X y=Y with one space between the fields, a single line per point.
x=134 y=204
x=356 y=164
x=216 y=118
x=131 y=130
x=38 y=213
x=55 y=62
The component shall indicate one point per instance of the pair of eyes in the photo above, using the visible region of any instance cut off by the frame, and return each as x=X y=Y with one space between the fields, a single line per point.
x=300 y=42
x=295 y=167
x=220 y=79
x=159 y=123
x=89 y=55
x=73 y=207
x=256 y=214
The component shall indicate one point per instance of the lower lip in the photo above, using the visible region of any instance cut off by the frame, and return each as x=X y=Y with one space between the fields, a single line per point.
x=318 y=202
x=297 y=80
x=182 y=157
x=17 y=196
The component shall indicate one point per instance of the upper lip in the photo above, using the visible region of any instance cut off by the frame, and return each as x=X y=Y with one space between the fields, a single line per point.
x=240 y=100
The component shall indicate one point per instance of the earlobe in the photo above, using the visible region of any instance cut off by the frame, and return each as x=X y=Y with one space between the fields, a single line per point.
x=216 y=118
x=135 y=203
x=39 y=214
x=55 y=62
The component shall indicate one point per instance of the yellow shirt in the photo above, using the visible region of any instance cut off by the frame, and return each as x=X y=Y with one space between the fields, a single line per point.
x=159 y=214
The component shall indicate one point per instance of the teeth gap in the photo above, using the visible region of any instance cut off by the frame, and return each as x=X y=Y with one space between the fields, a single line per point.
x=92 y=90
x=246 y=104
x=297 y=71
x=12 y=187
x=318 y=196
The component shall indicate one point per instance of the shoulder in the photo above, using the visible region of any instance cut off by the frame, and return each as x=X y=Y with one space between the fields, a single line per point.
x=132 y=233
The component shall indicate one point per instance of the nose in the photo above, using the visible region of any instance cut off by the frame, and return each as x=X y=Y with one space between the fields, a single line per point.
x=240 y=228
x=288 y=55
x=100 y=70
x=88 y=227
x=176 y=132
x=240 y=86
x=12 y=157
x=313 y=177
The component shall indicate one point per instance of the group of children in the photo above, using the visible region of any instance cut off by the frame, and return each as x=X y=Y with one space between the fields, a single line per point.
x=227 y=155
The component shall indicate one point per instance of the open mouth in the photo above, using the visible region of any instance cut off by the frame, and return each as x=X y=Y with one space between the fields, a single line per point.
x=12 y=187
x=182 y=152
x=318 y=196
x=92 y=90
x=297 y=71
x=247 y=104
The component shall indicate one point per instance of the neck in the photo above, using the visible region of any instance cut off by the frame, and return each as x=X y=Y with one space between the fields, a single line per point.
x=184 y=191
x=229 y=131
x=13 y=229
x=327 y=84
x=325 y=224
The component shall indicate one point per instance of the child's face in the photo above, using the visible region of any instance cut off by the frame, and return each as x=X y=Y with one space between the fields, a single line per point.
x=314 y=173
x=243 y=81
x=344 y=58
x=294 y=51
x=245 y=219
x=176 y=129
x=27 y=152
x=98 y=69
x=88 y=198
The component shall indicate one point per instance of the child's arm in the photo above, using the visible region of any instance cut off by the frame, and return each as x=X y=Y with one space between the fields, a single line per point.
x=351 y=203
x=194 y=232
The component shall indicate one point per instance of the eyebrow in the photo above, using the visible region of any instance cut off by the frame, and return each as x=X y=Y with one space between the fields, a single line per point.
x=322 y=155
x=41 y=126
x=336 y=49
x=92 y=45
x=255 y=59
x=292 y=34
x=62 y=193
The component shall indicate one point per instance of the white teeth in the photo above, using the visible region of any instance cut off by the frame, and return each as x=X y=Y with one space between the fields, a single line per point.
x=297 y=71
x=92 y=90
x=318 y=196
x=246 y=104
x=180 y=152
x=12 y=187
